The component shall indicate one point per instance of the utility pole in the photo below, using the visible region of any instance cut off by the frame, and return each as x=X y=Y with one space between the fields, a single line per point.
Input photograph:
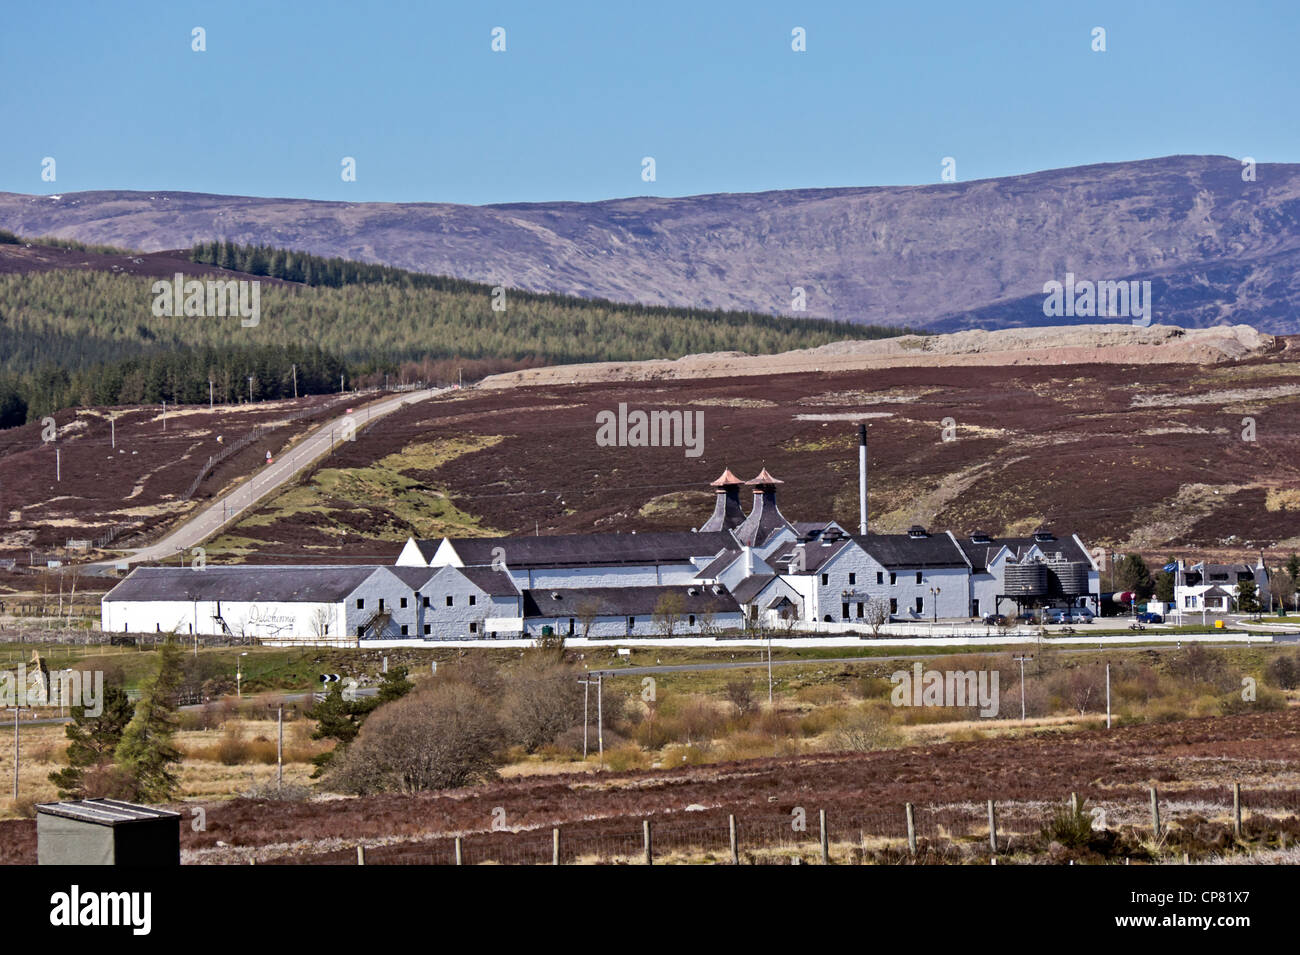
x=600 y=719
x=1021 y=660
x=279 y=747
x=112 y=429
x=209 y=394
x=586 y=720
x=295 y=381
x=15 y=754
x=58 y=465
x=769 y=668
x=1107 y=695
x=164 y=416
x=250 y=389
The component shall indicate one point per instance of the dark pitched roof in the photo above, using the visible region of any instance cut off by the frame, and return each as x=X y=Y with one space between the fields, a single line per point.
x=718 y=564
x=903 y=550
x=981 y=553
x=427 y=549
x=413 y=577
x=243 y=582
x=751 y=587
x=586 y=550
x=816 y=553
x=548 y=602
x=495 y=583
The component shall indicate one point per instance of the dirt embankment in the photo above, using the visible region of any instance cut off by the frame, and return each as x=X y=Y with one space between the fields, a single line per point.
x=1066 y=345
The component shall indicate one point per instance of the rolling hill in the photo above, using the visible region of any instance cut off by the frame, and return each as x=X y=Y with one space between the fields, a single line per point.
x=1217 y=249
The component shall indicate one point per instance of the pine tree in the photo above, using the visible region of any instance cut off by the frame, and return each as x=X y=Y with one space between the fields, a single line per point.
x=92 y=741
x=146 y=752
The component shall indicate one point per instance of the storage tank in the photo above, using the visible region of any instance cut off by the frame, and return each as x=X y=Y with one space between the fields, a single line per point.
x=1069 y=577
x=1028 y=579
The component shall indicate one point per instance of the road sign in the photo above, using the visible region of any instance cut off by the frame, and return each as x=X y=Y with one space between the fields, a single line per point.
x=330 y=678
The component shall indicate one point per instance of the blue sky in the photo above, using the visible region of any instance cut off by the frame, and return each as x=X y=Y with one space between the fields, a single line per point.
x=711 y=90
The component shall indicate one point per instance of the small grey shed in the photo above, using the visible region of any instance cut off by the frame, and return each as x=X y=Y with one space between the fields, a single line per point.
x=106 y=832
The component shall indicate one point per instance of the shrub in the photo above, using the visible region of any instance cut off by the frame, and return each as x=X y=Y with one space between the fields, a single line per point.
x=1284 y=672
x=701 y=720
x=1266 y=700
x=740 y=694
x=232 y=749
x=436 y=738
x=626 y=757
x=865 y=730
x=542 y=700
x=1071 y=829
x=819 y=694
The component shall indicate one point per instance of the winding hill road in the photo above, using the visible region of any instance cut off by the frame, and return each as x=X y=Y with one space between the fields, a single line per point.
x=216 y=515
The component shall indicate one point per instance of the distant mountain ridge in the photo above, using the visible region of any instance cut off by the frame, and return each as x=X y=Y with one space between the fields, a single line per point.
x=1218 y=249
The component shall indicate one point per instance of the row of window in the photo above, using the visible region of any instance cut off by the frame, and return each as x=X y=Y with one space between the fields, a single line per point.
x=880 y=578
x=893 y=608
x=451 y=602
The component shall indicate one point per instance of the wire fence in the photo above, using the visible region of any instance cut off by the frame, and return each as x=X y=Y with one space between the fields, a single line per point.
x=967 y=831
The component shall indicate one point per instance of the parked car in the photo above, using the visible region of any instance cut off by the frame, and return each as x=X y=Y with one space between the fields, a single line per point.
x=1150 y=617
x=1080 y=615
x=994 y=619
x=1055 y=615
x=1027 y=617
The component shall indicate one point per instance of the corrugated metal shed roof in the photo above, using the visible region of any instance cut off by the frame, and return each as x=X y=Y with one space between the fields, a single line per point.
x=105 y=812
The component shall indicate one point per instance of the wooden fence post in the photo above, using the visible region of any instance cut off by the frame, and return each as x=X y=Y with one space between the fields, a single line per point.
x=911 y=828
x=1074 y=804
x=1236 y=810
x=825 y=837
x=735 y=843
x=459 y=857
x=1155 y=813
x=993 y=828
x=649 y=848
x=361 y=855
x=555 y=846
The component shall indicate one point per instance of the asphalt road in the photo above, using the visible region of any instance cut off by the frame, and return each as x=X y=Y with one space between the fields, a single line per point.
x=266 y=479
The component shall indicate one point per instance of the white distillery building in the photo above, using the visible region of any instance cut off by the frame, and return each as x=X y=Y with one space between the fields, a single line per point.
x=255 y=602
x=736 y=570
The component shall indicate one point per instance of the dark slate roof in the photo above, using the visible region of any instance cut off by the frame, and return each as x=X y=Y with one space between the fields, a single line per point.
x=585 y=550
x=243 y=582
x=816 y=553
x=765 y=518
x=718 y=564
x=812 y=529
x=105 y=812
x=903 y=550
x=751 y=587
x=980 y=554
x=548 y=603
x=496 y=583
x=727 y=512
x=413 y=577
x=427 y=548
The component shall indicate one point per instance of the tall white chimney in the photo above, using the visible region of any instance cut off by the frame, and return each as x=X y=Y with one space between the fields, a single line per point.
x=862 y=479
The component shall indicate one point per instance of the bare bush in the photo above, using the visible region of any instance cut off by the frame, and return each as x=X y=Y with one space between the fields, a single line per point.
x=865 y=730
x=542 y=700
x=439 y=737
